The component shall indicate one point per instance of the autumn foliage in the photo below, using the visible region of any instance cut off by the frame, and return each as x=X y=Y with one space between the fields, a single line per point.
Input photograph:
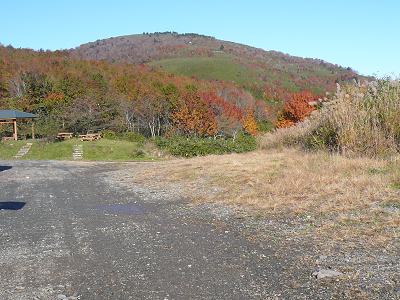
x=296 y=109
x=195 y=117
x=250 y=124
x=78 y=95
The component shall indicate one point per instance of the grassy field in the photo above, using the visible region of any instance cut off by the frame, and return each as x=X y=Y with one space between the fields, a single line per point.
x=51 y=151
x=102 y=150
x=220 y=67
x=225 y=67
x=114 y=150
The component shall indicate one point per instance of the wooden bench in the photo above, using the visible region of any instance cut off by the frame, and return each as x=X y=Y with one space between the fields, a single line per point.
x=90 y=137
x=64 y=136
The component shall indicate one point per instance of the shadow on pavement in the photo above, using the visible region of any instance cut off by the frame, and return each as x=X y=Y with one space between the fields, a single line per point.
x=5 y=168
x=11 y=205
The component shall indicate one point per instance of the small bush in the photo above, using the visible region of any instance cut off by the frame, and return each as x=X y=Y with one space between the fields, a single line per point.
x=127 y=136
x=109 y=134
x=134 y=137
x=265 y=126
x=189 y=147
x=323 y=138
x=138 y=153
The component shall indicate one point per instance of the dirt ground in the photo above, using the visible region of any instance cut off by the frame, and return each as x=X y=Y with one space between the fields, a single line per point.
x=114 y=231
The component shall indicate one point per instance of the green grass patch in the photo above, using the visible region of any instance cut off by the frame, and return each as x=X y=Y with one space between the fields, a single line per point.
x=376 y=171
x=101 y=150
x=266 y=126
x=395 y=185
x=10 y=148
x=114 y=150
x=391 y=204
x=42 y=150
x=219 y=67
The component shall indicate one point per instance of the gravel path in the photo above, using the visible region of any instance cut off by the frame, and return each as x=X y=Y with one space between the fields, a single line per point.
x=69 y=230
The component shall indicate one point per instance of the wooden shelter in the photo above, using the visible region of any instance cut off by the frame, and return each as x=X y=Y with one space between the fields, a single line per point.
x=13 y=117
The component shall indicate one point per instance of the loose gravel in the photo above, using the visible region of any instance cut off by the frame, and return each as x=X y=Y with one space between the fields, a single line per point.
x=78 y=230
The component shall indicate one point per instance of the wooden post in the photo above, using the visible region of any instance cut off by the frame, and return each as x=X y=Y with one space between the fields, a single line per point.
x=33 y=130
x=15 y=130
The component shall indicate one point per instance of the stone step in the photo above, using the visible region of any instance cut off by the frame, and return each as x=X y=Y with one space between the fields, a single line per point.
x=23 y=150
x=77 y=153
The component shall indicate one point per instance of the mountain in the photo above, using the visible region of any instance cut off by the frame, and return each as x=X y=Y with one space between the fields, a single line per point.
x=267 y=74
x=163 y=84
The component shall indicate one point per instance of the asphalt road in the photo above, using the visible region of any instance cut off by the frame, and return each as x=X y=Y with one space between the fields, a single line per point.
x=67 y=232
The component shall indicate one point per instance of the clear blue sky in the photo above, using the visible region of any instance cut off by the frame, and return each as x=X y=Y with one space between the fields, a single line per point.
x=362 y=34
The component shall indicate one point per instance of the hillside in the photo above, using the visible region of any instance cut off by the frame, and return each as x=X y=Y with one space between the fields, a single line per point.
x=267 y=74
x=79 y=95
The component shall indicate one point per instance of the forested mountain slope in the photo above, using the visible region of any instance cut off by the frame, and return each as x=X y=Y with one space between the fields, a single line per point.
x=79 y=95
x=267 y=74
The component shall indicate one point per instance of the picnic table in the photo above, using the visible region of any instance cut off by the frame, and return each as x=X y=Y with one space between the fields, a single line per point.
x=90 y=137
x=7 y=138
x=64 y=135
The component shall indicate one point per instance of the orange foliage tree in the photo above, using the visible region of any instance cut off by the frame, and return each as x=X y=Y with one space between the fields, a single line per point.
x=194 y=117
x=296 y=109
x=250 y=123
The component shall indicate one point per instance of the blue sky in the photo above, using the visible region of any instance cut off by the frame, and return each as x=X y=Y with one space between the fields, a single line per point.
x=361 y=34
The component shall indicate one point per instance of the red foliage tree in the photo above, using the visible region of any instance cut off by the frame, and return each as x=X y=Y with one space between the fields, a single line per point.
x=194 y=117
x=296 y=109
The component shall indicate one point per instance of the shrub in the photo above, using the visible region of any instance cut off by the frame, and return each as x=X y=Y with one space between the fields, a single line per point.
x=242 y=143
x=127 y=136
x=138 y=153
x=109 y=134
x=134 y=137
x=194 y=146
x=265 y=126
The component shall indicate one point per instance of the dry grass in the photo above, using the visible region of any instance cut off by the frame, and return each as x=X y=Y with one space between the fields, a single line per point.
x=339 y=196
x=356 y=121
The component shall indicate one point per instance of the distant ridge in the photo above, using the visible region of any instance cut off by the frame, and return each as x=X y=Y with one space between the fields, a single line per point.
x=206 y=57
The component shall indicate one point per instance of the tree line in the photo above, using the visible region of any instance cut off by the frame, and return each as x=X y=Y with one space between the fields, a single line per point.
x=77 y=95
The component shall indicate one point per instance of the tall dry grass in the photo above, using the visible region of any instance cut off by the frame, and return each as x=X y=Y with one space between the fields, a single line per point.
x=358 y=120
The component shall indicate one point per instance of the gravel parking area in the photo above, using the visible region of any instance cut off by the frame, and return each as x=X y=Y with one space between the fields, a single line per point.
x=75 y=230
